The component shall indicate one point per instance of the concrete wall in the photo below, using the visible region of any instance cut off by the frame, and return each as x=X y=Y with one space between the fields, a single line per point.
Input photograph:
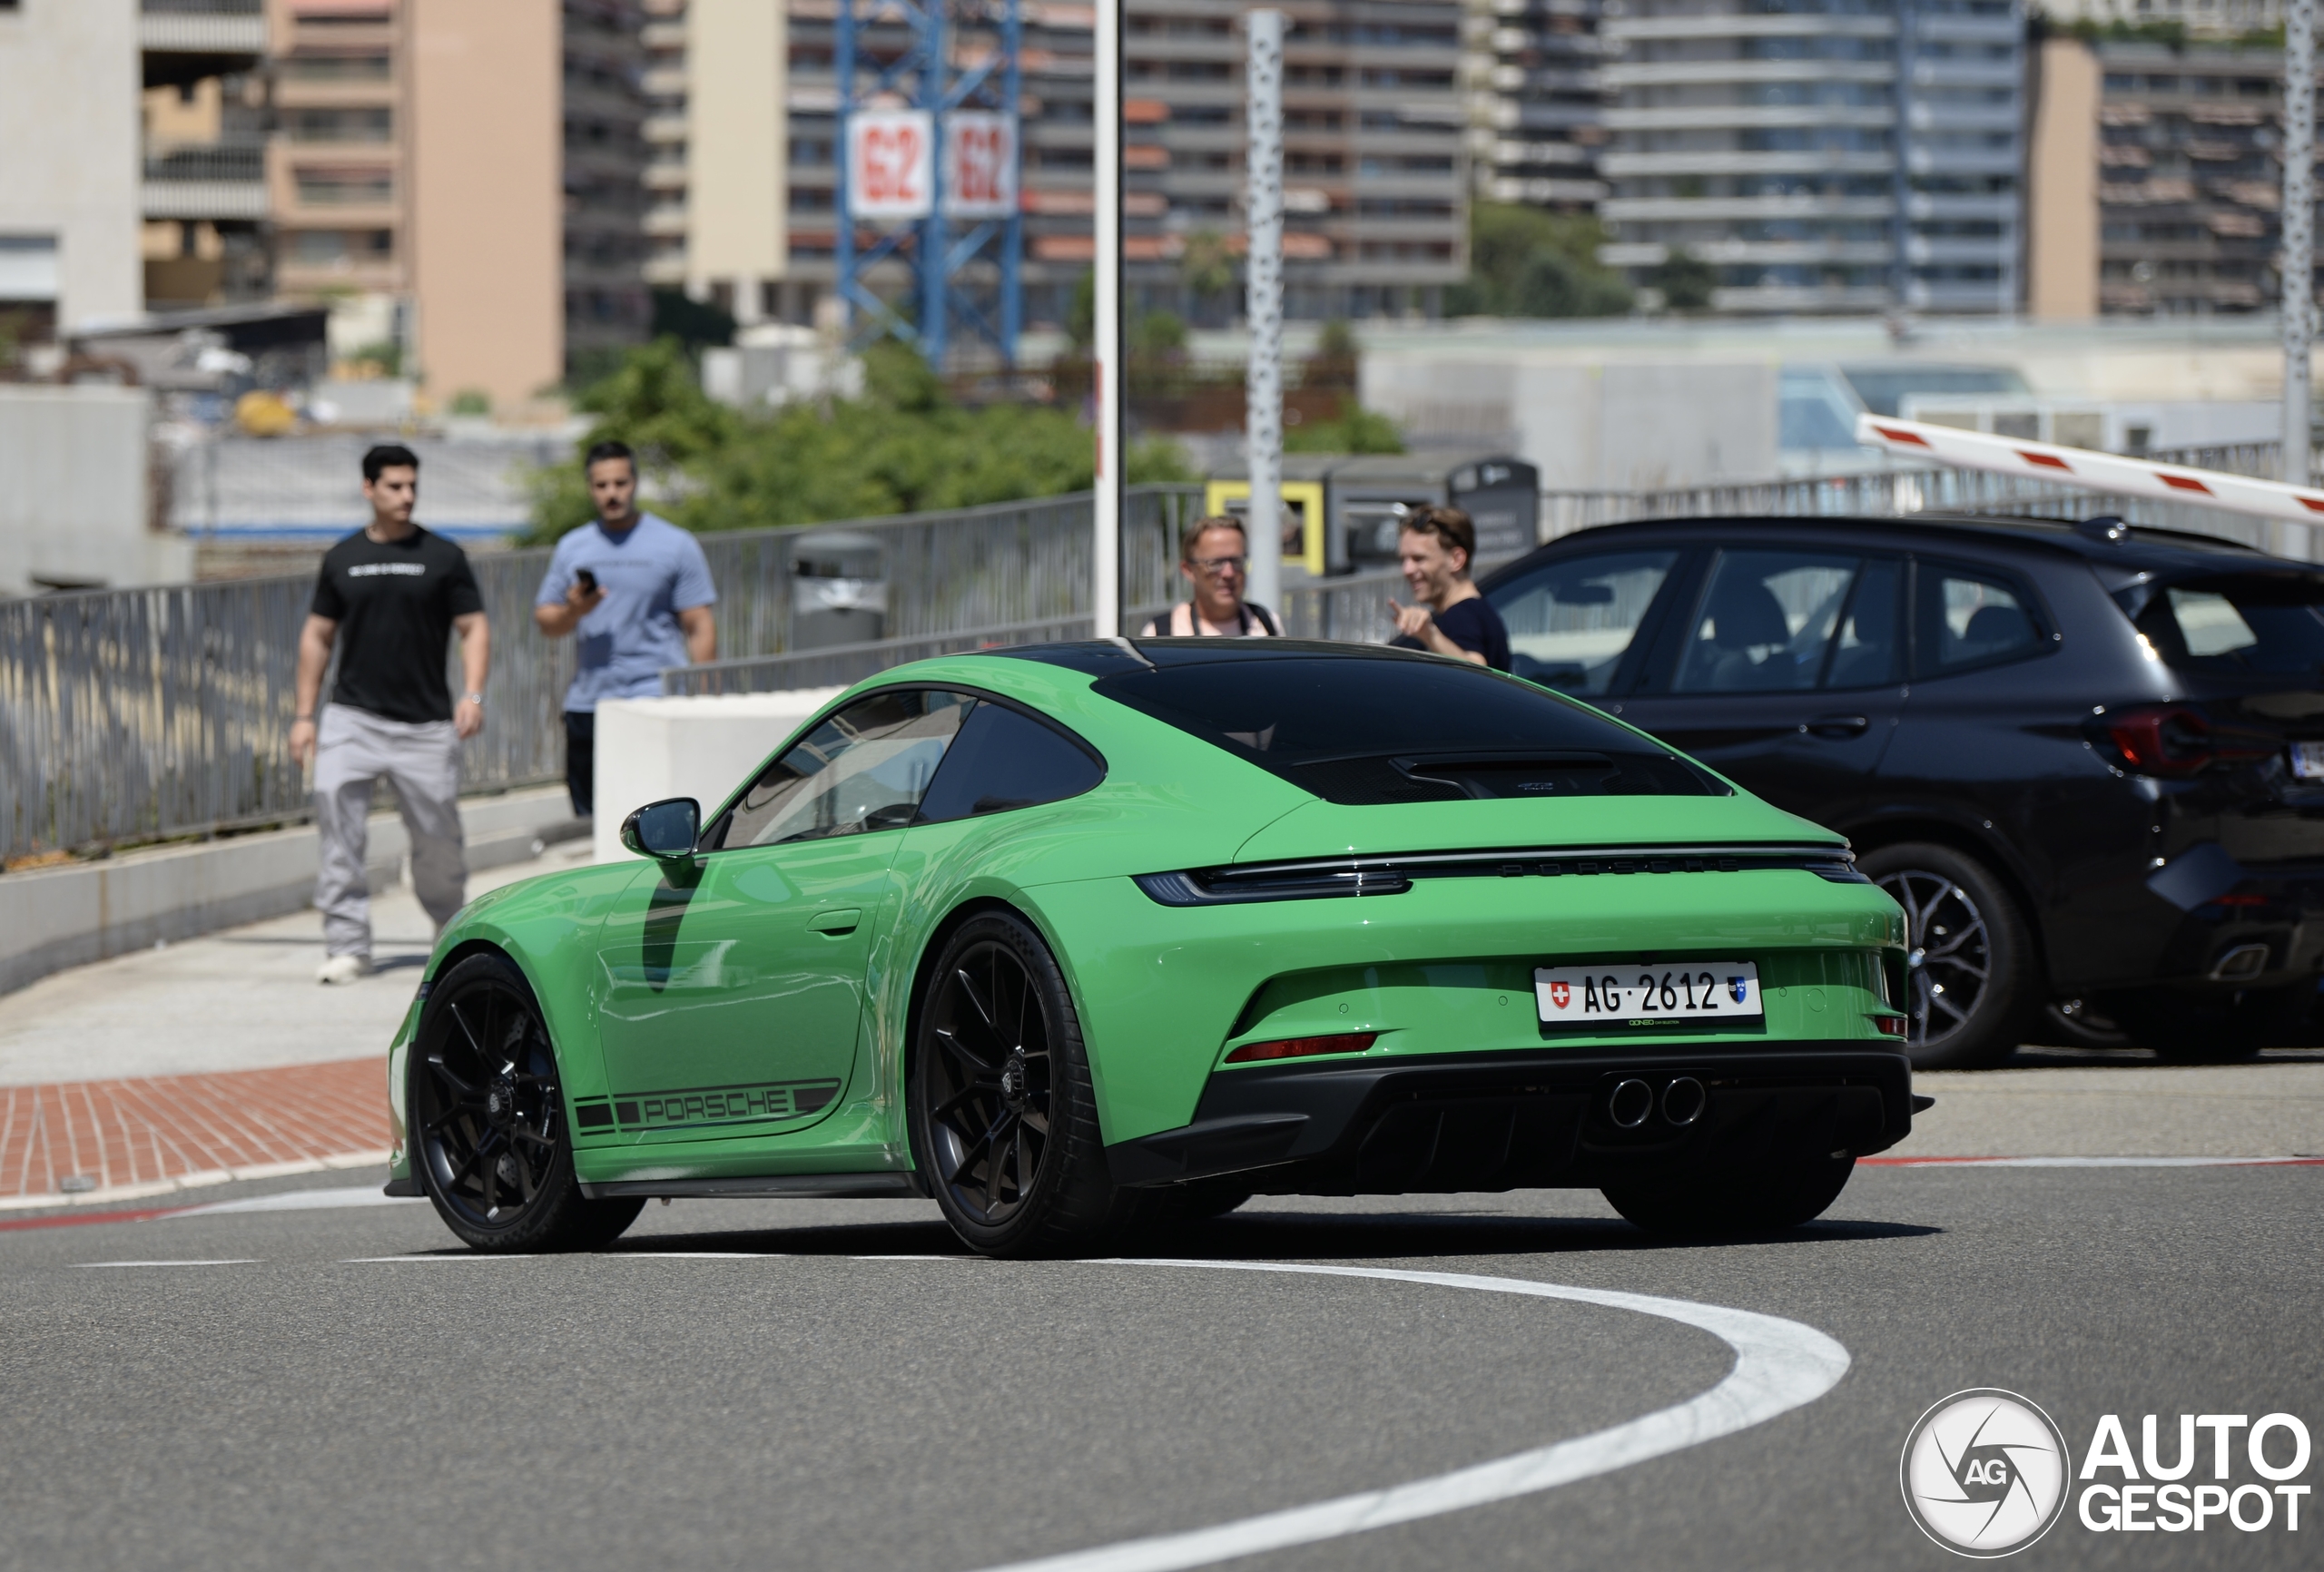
x=69 y=83
x=55 y=918
x=1591 y=422
x=73 y=509
x=649 y=749
x=737 y=148
x=2061 y=180
x=487 y=159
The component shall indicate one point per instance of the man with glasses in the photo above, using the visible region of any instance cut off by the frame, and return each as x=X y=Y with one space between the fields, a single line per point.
x=1213 y=556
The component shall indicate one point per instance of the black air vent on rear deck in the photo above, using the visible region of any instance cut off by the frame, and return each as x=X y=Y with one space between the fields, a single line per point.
x=1373 y=781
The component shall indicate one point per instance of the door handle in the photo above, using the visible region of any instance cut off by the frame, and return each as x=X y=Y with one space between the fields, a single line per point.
x=840 y=921
x=1838 y=725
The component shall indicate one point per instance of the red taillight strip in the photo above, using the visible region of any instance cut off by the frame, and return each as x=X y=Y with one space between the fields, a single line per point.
x=1303 y=1047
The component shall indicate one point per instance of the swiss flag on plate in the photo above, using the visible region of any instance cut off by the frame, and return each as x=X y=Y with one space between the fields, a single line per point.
x=1560 y=995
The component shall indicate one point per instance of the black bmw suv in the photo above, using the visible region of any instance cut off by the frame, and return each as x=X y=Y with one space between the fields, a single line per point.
x=2087 y=759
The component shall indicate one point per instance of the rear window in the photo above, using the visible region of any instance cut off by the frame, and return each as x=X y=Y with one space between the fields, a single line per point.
x=2262 y=623
x=1369 y=729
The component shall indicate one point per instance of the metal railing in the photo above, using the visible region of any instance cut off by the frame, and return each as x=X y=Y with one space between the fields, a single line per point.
x=842 y=664
x=144 y=713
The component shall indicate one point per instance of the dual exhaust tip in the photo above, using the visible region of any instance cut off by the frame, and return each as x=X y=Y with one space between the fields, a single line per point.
x=1632 y=1102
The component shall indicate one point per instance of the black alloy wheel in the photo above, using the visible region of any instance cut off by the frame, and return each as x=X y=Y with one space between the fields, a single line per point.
x=488 y=1132
x=1970 y=969
x=1004 y=1125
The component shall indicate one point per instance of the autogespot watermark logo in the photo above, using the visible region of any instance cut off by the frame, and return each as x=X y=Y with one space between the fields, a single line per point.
x=1985 y=1473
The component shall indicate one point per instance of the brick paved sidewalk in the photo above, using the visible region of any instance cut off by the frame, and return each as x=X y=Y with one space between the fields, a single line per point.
x=105 y=1136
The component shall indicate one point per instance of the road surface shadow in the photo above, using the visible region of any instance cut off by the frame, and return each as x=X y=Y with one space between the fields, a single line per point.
x=1287 y=1235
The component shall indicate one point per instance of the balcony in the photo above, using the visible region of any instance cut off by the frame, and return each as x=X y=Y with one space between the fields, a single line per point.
x=184 y=41
x=213 y=182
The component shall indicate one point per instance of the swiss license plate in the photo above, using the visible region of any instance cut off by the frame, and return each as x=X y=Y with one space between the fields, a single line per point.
x=2308 y=761
x=1670 y=990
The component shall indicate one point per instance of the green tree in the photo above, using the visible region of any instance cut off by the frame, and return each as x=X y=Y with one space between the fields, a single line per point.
x=904 y=447
x=1355 y=430
x=1524 y=261
x=1685 y=279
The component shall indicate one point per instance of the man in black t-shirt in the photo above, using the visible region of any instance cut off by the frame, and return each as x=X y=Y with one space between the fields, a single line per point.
x=390 y=596
x=1448 y=616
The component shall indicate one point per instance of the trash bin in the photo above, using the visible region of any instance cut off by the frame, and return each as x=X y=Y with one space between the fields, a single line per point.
x=839 y=589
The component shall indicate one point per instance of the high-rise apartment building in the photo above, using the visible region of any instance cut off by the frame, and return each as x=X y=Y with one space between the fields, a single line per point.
x=2157 y=181
x=477 y=167
x=1537 y=102
x=1822 y=155
x=98 y=212
x=1375 y=152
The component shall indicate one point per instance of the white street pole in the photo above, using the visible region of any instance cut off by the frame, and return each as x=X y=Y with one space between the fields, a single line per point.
x=1263 y=273
x=2299 y=230
x=1105 y=324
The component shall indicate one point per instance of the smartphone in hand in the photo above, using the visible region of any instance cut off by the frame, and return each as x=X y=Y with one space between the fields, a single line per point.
x=586 y=580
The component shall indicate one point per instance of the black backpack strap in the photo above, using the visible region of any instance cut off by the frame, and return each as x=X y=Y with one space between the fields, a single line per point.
x=1266 y=617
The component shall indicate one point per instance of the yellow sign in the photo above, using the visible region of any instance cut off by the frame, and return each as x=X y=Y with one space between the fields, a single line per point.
x=1304 y=496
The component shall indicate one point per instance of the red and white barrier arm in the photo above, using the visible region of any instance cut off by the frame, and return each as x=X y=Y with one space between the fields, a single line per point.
x=2111 y=472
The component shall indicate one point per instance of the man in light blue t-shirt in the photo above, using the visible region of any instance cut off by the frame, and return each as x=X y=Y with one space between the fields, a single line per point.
x=638 y=589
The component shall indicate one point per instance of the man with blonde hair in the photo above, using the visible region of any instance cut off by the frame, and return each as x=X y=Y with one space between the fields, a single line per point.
x=1448 y=616
x=1215 y=557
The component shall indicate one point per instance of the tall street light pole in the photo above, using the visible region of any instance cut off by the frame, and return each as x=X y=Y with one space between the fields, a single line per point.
x=2299 y=230
x=1105 y=324
x=1263 y=275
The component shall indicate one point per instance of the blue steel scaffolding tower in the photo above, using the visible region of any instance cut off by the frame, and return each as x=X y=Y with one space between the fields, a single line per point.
x=947 y=278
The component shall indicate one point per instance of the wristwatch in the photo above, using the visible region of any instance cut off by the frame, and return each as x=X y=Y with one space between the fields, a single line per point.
x=475 y=699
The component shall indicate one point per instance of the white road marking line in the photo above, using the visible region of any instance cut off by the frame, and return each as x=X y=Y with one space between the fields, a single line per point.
x=305 y=1201
x=2092 y=1162
x=1779 y=1365
x=237 y=1261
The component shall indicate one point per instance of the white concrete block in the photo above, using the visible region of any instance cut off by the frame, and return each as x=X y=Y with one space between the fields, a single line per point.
x=702 y=748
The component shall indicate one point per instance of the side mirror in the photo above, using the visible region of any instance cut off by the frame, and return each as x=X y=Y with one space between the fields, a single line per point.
x=664 y=829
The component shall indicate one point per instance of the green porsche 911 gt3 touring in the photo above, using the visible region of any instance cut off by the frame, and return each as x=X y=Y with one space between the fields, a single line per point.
x=1071 y=936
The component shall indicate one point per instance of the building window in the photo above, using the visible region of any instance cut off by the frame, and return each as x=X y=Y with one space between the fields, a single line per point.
x=344 y=187
x=334 y=67
x=338 y=125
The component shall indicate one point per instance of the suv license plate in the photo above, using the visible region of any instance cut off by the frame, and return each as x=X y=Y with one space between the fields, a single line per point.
x=1678 y=991
x=2308 y=761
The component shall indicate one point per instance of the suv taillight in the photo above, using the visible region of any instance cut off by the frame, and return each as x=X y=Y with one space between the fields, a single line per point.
x=2173 y=740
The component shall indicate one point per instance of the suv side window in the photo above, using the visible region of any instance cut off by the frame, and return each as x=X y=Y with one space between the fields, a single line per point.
x=865 y=768
x=1966 y=617
x=1004 y=759
x=1571 y=623
x=1767 y=621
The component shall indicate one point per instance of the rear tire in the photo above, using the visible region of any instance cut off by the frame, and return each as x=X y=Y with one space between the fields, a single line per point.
x=1974 y=983
x=2222 y=1028
x=1003 y=1122
x=1734 y=1206
x=489 y=1138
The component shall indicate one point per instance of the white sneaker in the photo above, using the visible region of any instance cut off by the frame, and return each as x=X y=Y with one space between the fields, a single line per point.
x=343 y=968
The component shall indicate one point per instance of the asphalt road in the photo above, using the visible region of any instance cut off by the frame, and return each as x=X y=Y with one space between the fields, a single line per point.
x=845 y=1391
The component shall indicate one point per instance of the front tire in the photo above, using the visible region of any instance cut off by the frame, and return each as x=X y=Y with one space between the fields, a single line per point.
x=1722 y=1205
x=489 y=1138
x=1003 y=1122
x=1973 y=984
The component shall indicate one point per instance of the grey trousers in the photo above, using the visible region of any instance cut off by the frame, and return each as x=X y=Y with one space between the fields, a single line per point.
x=354 y=749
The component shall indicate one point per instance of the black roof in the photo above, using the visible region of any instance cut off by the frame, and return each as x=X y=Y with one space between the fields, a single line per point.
x=2103 y=541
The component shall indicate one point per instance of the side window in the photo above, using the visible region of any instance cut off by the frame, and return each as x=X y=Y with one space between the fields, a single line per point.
x=865 y=768
x=1870 y=650
x=1970 y=618
x=1766 y=621
x=1570 y=622
x=1003 y=760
